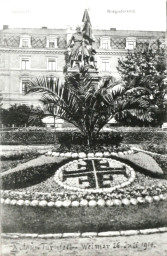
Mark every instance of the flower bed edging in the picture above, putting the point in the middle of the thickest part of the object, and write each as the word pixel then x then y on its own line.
pixel 84 202
pixel 86 234
pixel 89 155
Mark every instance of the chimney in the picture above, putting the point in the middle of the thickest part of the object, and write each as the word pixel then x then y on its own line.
pixel 44 27
pixel 5 26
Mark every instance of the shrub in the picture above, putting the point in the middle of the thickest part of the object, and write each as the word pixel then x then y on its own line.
pixel 143 136
pixel 159 149
pixel 21 115
pixel 112 137
pixel 76 138
pixel 26 137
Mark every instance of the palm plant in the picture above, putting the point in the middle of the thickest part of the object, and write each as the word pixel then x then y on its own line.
pixel 86 105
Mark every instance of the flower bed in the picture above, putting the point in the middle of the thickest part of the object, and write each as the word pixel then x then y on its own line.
pixel 118 183
pixel 31 172
pixel 143 199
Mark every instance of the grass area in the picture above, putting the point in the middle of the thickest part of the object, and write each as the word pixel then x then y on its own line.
pixel 55 220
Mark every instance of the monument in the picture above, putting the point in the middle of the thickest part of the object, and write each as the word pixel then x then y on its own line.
pixel 80 52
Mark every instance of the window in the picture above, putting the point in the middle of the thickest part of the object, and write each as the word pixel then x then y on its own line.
pixel 51 42
pixel 105 43
pixel 25 63
pixel 130 43
pixel 105 65
pixel 24 86
pixel 52 64
pixel 25 41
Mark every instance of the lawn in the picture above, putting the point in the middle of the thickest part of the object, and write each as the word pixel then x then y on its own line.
pixel 56 220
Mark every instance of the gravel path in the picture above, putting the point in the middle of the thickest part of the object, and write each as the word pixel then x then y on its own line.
pixel 5 148
pixel 140 245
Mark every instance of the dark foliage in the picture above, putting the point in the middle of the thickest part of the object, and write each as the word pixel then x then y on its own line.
pixel 22 115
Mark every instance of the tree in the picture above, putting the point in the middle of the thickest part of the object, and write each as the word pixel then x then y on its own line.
pixel 145 68
pixel 21 115
pixel 87 106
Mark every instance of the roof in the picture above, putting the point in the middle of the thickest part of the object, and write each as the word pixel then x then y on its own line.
pixel 96 32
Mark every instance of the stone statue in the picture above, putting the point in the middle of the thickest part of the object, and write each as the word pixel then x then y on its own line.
pixel 80 50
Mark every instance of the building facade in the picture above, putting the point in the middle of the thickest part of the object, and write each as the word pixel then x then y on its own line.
pixel 27 53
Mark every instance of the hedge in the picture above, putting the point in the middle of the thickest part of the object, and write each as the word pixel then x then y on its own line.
pixel 129 136
pixel 27 137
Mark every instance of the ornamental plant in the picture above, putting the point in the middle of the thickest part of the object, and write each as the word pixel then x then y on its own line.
pixel 145 68
pixel 88 106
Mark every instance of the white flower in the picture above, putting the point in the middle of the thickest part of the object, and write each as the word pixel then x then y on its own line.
pixel 117 202
pixel 74 155
pixel 125 201
pixel 156 198
pixel 13 202
pixel 20 202
pixel 82 155
pixel 66 203
pixel 51 204
pixel 55 154
pixel 7 201
pixel 92 203
pixel 43 203
pixel 140 199
pixel 27 202
pixel 133 201
pixel 83 202
pixel 149 199
pixel 58 204
pixel 75 204
pixel 99 154
pixel 90 155
pixel 109 203
pixel 101 202
pixel 34 203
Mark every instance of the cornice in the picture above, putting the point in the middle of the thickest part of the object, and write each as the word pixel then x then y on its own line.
pixel 32 51
pixel 112 52
pixel 57 51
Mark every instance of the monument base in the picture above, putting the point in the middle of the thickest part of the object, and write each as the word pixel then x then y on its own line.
pixel 94 73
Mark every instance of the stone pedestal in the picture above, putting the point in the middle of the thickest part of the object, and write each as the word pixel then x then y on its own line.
pixel 95 76
pixel 91 71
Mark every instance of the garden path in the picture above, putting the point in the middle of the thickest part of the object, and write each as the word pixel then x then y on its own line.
pixel 138 245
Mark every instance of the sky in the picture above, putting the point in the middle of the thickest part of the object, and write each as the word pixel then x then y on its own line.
pixel 105 14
